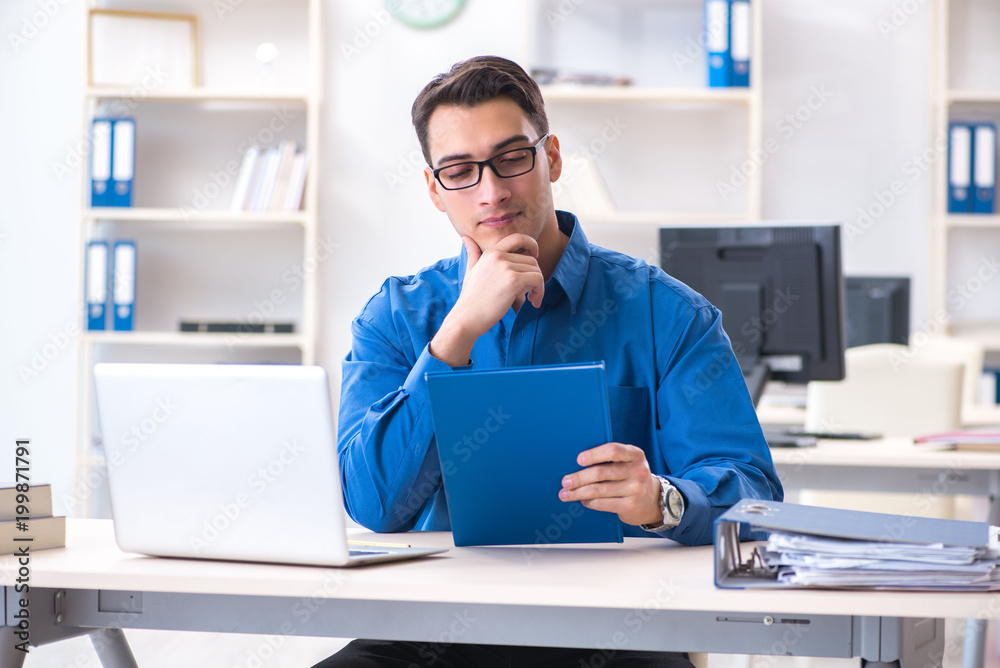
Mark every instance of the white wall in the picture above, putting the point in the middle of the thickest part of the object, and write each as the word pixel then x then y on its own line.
pixel 373 203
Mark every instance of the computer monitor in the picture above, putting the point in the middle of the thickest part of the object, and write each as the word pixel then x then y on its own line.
pixel 780 290
pixel 878 309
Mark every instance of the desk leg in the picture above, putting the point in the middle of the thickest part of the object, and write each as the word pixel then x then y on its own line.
pixel 900 641
pixel 974 652
pixel 112 648
pixel 994 498
pixel 976 629
pixel 10 657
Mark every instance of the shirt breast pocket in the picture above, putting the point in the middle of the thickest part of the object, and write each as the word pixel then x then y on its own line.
pixel 631 421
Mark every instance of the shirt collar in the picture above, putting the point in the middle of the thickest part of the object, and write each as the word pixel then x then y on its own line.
pixel 571 270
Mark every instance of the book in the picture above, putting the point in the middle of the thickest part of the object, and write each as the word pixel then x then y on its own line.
pixel 237 327
pixel 37 533
pixel 283 180
pixel 523 425
pixel 39 501
pixel 547 76
pixel 244 179
pixel 964 439
pixel 296 182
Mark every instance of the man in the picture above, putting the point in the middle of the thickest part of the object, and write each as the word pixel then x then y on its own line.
pixel 528 289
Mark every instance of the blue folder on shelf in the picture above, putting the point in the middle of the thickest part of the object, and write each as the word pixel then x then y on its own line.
pixel 505 439
pixel 96 286
pixel 959 168
pixel 123 285
pixel 100 162
pixel 122 162
pixel 984 170
pixel 739 42
pixel 717 43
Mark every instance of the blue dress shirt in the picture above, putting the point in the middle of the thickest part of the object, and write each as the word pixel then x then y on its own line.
pixel 674 386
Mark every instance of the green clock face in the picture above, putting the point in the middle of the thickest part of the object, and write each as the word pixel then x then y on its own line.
pixel 425 13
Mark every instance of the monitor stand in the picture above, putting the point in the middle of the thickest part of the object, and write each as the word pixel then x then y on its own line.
pixel 755 374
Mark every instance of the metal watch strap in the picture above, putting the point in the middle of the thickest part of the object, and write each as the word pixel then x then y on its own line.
pixel 665 486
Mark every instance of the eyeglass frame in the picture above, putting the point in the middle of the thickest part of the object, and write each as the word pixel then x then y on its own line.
pixel 482 164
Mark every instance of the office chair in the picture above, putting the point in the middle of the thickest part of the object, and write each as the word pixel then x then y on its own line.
pixel 970 353
pixel 891 389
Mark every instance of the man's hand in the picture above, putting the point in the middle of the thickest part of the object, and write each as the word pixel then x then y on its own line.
pixel 495 280
pixel 616 480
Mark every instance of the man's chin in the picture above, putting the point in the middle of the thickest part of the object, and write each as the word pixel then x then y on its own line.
pixel 488 237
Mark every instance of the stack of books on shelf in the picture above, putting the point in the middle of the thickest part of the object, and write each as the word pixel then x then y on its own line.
pixel 972 168
pixel 26 519
pixel 270 179
pixel 236 327
pixel 549 76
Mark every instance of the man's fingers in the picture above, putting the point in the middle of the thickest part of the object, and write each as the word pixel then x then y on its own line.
pixel 618 489
pixel 536 297
pixel 519 260
pixel 473 251
pixel 520 244
pixel 609 452
pixel 597 474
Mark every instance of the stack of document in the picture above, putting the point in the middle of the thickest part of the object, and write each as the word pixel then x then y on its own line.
pixel 815 561
pixel 826 547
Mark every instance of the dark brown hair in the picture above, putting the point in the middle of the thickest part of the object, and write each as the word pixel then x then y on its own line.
pixel 473 82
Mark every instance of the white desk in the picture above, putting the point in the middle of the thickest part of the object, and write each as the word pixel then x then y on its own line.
pixel 646 594
pixel 779 414
pixel 891 465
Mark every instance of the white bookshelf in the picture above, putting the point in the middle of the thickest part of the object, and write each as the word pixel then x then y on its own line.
pixel 673 118
pixel 965 86
pixel 191 248
pixel 566 93
pixel 198 95
pixel 199 339
pixel 194 217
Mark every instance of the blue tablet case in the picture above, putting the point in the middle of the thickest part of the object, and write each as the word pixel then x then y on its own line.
pixel 505 438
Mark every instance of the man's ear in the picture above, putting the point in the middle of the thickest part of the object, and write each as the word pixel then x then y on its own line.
pixel 432 189
pixel 554 157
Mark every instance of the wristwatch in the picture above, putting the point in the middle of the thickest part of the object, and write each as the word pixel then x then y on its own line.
pixel 672 506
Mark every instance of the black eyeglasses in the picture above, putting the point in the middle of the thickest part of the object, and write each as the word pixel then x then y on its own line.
pixel 506 165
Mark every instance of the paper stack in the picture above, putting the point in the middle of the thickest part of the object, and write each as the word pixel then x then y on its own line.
pixel 812 561
pixel 848 549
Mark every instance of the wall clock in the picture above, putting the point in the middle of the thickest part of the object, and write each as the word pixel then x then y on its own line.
pixel 425 14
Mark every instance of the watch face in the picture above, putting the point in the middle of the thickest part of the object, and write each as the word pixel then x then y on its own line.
pixel 424 13
pixel 675 504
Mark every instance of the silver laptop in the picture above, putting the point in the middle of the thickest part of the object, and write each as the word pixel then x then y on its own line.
pixel 219 461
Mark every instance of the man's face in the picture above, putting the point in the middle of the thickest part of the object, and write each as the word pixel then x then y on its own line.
pixel 496 207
